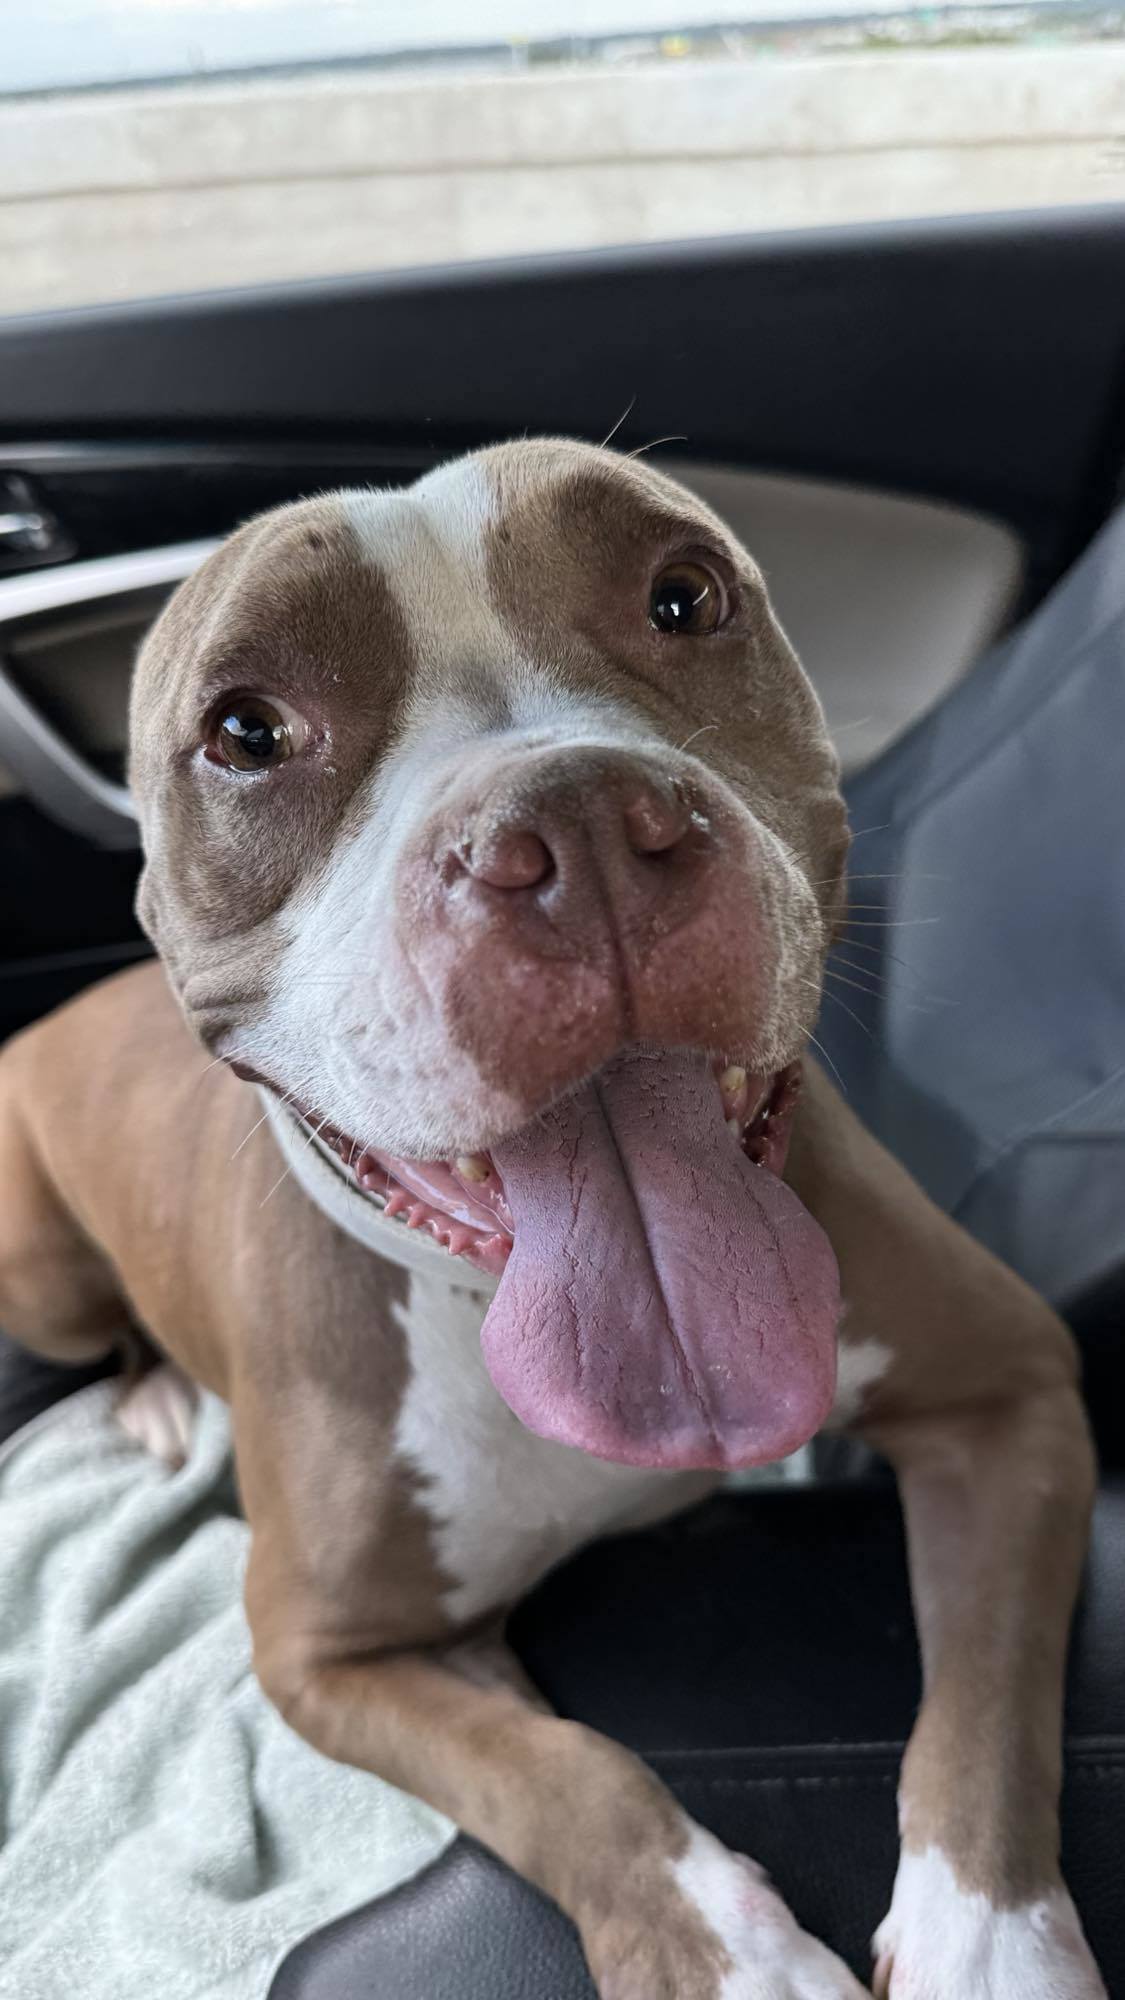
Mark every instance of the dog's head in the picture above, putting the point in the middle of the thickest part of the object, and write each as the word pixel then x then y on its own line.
pixel 495 825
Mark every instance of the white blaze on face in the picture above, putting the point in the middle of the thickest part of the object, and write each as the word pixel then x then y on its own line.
pixel 944 1941
pixel 429 543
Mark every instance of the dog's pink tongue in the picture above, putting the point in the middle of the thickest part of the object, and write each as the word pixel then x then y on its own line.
pixel 666 1302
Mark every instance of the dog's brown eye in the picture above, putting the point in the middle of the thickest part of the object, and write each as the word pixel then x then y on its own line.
pixel 253 735
pixel 686 597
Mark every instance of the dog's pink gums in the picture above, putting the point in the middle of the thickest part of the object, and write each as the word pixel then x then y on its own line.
pixel 461 1204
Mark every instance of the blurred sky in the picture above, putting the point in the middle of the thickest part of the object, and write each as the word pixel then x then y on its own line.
pixel 47 44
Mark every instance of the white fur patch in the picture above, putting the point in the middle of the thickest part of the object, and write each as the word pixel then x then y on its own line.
pixel 944 1941
pixel 506 1505
pixel 772 1958
pixel 158 1413
pixel 859 1365
pixel 459 499
pixel 429 544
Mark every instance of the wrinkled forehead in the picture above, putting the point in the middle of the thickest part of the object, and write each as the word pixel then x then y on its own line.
pixel 444 564
pixel 477 549
pixel 532 498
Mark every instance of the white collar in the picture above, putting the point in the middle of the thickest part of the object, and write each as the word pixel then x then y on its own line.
pixel 327 1183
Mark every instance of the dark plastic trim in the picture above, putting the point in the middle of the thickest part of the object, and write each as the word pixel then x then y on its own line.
pixel 976 360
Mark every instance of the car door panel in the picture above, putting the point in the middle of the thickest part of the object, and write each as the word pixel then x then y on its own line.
pixel 866 405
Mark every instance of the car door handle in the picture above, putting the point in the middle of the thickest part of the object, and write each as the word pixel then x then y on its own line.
pixel 32 529
pixel 46 767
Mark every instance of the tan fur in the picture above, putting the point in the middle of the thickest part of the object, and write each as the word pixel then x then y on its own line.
pixel 981 1417
pixel 573 548
pixel 288 605
pixel 170 1172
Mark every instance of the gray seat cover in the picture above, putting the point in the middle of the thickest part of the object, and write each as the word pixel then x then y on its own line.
pixel 989 862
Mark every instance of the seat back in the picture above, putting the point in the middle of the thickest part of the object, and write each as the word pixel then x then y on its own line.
pixel 976 1009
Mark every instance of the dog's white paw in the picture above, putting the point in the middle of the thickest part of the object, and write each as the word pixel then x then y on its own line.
pixel 771 1957
pixel 942 1942
pixel 159 1413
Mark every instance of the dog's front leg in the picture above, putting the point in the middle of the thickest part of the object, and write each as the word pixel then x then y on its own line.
pixel 972 1394
pixel 996 1504
pixel 351 1644
pixel 663 1910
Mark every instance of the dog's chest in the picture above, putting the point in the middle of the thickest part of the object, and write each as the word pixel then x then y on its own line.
pixel 505 1504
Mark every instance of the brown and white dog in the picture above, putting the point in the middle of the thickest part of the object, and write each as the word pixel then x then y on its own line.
pixel 493 845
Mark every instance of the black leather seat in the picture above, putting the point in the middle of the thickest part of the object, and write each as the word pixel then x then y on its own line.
pixel 760 1654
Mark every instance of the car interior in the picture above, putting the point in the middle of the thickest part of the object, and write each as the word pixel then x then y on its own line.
pixel 918 429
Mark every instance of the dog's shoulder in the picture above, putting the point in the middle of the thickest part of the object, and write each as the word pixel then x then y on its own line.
pixel 134 1006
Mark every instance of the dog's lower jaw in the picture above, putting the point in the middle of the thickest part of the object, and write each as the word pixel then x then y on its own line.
pixel 461 1204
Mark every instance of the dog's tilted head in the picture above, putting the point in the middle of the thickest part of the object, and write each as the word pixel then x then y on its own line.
pixel 494 825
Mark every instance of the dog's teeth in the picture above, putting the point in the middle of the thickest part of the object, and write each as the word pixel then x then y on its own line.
pixel 459 1240
pixel 735 1130
pixel 472 1166
pixel 734 1093
pixel 395 1203
pixel 416 1218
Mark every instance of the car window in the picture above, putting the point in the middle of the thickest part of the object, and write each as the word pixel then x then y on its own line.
pixel 157 146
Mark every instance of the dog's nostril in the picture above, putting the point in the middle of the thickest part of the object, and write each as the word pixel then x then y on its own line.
pixel 511 861
pixel 655 822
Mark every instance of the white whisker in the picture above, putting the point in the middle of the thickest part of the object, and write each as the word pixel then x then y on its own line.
pixel 707 727
pixel 314 1133
pixel 819 1046
pixel 245 1140
pixel 274 1188
pixel 850 1012
pixel 880 951
pixel 884 923
pixel 872 992
pixel 868 971
pixel 627 411
pixel 676 437
pixel 221 1062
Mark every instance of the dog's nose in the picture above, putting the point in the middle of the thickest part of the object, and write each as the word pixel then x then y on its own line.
pixel 524 842
pixel 564 901
pixel 655 820
pixel 509 859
